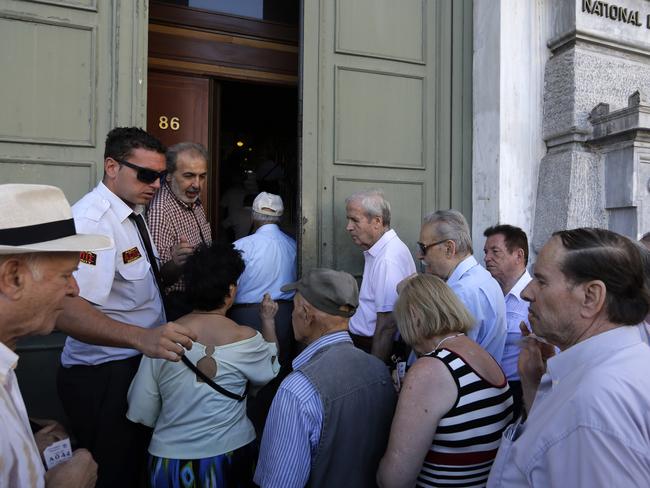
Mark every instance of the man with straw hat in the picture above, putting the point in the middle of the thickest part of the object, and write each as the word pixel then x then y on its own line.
pixel 39 250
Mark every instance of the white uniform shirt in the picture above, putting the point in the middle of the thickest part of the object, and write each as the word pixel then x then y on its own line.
pixel 387 263
pixel 118 281
pixel 20 462
pixel 190 419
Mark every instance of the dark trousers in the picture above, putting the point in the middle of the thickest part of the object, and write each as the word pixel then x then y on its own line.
pixel 257 407
pixel 517 398
pixel 248 314
pixel 94 399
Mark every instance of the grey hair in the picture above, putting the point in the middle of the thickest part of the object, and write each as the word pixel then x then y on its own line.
pixel 374 204
pixel 265 219
pixel 171 156
pixel 33 261
pixel 450 224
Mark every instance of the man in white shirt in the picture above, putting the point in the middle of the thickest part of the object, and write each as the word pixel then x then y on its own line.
pixel 387 262
pixel 39 250
pixel 588 423
pixel 270 258
pixel 506 257
pixel 117 286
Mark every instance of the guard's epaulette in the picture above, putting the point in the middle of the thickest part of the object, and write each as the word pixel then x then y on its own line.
pixel 97 210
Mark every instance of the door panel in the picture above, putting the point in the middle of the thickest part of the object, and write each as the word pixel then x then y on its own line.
pixel 61 90
pixel 177 108
pixel 377 81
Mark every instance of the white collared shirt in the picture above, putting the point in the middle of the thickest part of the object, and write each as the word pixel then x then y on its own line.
pixel 20 462
pixel 516 312
pixel 387 263
pixel 589 425
pixel 270 257
pixel 118 281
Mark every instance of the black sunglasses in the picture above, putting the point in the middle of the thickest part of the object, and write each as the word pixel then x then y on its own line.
pixel 423 247
pixel 143 174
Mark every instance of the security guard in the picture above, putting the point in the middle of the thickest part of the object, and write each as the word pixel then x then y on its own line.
pixel 123 283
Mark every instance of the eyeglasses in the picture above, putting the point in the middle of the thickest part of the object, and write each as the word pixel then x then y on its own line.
pixel 423 247
pixel 144 175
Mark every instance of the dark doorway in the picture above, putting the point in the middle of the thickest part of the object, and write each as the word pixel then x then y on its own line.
pixel 257 152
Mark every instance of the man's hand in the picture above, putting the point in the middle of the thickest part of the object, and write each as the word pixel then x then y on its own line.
pixel 80 471
pixel 51 432
pixel 532 363
pixel 181 251
pixel 167 341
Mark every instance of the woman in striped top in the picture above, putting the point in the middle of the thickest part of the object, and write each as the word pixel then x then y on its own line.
pixel 455 401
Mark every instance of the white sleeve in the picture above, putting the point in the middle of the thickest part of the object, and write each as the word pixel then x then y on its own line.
pixel 144 395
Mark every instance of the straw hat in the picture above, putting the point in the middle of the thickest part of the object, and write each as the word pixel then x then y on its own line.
pixel 38 218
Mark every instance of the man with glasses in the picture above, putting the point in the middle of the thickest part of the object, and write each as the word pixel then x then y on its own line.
pixel 387 262
pixel 177 219
pixel 445 248
pixel 123 282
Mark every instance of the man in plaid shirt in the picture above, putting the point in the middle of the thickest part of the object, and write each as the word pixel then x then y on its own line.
pixel 177 219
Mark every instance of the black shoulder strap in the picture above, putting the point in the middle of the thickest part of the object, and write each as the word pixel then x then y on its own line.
pixel 205 378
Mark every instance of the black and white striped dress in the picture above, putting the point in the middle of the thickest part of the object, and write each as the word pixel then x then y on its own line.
pixel 467 438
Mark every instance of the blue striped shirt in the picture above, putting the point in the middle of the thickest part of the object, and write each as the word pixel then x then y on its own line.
pixel 293 427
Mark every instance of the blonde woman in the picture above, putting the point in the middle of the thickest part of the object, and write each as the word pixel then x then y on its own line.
pixel 455 401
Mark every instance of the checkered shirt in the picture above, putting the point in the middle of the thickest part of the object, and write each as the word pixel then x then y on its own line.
pixel 169 218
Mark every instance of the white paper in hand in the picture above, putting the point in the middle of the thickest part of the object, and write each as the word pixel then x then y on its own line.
pixel 57 453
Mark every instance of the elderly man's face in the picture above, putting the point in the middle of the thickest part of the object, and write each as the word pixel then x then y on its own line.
pixel 502 264
pixel 436 254
pixel 554 301
pixel 45 288
pixel 365 232
pixel 189 178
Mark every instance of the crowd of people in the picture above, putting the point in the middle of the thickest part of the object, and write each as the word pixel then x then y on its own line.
pixel 193 362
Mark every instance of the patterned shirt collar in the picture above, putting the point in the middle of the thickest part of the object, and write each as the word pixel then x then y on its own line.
pixel 319 343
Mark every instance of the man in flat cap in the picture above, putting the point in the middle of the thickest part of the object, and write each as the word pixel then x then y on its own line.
pixel 39 250
pixel 329 422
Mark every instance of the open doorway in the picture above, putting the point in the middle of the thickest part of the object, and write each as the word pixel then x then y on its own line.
pixel 258 145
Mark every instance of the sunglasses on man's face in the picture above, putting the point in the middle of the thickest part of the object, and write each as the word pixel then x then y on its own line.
pixel 144 175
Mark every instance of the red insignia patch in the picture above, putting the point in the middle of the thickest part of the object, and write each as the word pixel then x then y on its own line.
pixel 131 255
pixel 88 257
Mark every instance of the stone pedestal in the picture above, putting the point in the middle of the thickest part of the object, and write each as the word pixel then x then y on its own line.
pixel 597 58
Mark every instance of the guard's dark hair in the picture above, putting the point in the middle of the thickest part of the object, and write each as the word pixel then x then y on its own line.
pixel 514 237
pixel 599 254
pixel 208 274
pixel 122 140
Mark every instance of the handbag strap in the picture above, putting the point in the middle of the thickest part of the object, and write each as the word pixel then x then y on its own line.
pixel 209 381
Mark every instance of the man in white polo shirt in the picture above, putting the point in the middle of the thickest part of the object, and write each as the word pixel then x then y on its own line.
pixel 387 262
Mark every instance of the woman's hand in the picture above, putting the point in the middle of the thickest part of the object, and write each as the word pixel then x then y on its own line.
pixel 268 308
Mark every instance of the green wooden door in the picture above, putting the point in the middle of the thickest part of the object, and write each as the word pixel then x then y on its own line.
pixel 71 71
pixel 386 103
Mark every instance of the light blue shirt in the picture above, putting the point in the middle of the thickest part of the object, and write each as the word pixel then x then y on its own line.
pixel 516 312
pixel 589 425
pixel 482 296
pixel 270 257
pixel 293 427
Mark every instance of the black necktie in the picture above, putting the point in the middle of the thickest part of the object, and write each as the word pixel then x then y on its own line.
pixel 144 234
